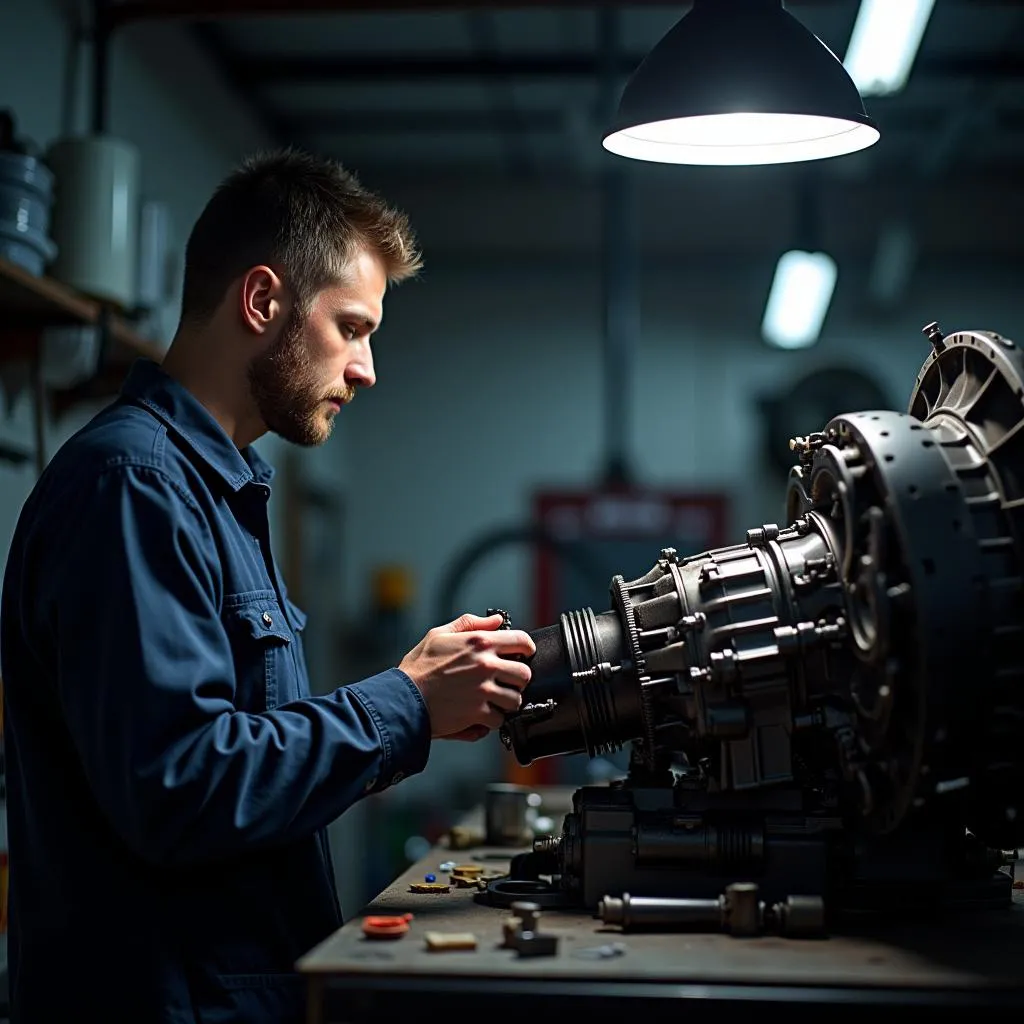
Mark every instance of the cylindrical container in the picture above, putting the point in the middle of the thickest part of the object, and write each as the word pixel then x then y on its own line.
pixel 154 242
pixel 95 216
pixel 505 814
pixel 26 198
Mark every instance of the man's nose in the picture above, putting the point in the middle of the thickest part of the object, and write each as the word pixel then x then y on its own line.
pixel 360 373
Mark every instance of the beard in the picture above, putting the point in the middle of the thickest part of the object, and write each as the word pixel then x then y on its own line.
pixel 288 390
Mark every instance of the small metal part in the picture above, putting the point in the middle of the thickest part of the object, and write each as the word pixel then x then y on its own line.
pixel 533 944
pixel 519 932
pixel 806 446
pixel 742 909
pixel 510 929
pixel 443 942
pixel 761 535
pixel 466 869
pixel 934 334
pixel 528 913
pixel 546 844
pixel 506 619
pixel 429 887
pixel 800 916
pixel 606 952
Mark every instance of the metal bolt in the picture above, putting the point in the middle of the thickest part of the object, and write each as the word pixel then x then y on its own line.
pixel 934 334
pixel 545 844
pixel 528 914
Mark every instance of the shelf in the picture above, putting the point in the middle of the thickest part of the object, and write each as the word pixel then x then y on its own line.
pixel 29 303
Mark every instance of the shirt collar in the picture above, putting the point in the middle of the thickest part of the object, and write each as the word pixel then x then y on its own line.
pixel 183 413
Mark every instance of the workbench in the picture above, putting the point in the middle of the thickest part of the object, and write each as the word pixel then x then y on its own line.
pixel 957 963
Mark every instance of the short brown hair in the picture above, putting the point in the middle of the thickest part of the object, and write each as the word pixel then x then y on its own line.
pixel 306 214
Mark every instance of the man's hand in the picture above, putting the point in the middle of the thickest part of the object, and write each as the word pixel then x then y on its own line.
pixel 464 671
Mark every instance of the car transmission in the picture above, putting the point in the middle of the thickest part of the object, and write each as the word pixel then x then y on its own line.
pixel 834 707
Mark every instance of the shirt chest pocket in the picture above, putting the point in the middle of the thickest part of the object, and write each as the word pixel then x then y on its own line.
pixel 269 665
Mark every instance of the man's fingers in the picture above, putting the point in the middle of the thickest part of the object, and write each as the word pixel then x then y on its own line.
pixel 511 673
pixel 502 698
pixel 493 717
pixel 468 622
pixel 512 641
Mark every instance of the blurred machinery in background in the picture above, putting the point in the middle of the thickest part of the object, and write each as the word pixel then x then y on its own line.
pixel 833 708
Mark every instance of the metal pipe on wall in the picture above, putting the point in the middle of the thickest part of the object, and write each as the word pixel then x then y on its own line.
pixel 102 25
pixel 620 272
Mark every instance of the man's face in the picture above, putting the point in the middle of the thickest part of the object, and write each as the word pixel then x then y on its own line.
pixel 316 363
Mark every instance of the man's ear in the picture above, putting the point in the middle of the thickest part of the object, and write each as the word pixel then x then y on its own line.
pixel 262 298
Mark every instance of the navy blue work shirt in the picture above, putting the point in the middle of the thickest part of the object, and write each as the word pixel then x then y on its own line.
pixel 169 775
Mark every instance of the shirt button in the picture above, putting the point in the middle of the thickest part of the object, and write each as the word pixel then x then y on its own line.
pixel 397 778
pixel 368 788
pixel 267 620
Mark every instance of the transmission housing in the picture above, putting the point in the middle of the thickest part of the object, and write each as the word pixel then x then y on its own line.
pixel 834 706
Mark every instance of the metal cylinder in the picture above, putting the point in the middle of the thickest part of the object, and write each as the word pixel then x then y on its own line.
pixel 645 912
pixel 725 847
pixel 801 915
pixel 26 197
pixel 95 216
pixel 528 913
pixel 743 908
pixel 505 814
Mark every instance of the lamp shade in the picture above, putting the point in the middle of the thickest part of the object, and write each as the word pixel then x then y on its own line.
pixel 740 82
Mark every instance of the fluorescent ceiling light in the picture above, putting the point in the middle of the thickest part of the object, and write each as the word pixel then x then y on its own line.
pixel 799 299
pixel 884 42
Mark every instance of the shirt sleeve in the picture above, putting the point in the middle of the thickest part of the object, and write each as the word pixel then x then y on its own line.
pixel 145 678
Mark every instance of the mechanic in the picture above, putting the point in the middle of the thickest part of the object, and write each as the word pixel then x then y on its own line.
pixel 170 776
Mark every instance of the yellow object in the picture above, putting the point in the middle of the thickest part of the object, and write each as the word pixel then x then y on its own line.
pixel 462 838
pixel 442 941
pixel 429 887
pixel 392 587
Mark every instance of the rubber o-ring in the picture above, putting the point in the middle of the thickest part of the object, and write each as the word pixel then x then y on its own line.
pixel 386 926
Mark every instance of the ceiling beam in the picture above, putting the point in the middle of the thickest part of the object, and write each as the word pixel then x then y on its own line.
pixel 540 121
pixel 124 11
pixel 398 67
pixel 209 38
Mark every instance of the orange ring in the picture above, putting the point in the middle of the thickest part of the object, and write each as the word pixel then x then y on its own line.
pixel 386 926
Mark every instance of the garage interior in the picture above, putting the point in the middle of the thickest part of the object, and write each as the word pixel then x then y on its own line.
pixel 583 376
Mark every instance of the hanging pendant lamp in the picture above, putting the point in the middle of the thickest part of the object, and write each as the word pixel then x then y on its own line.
pixel 740 82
